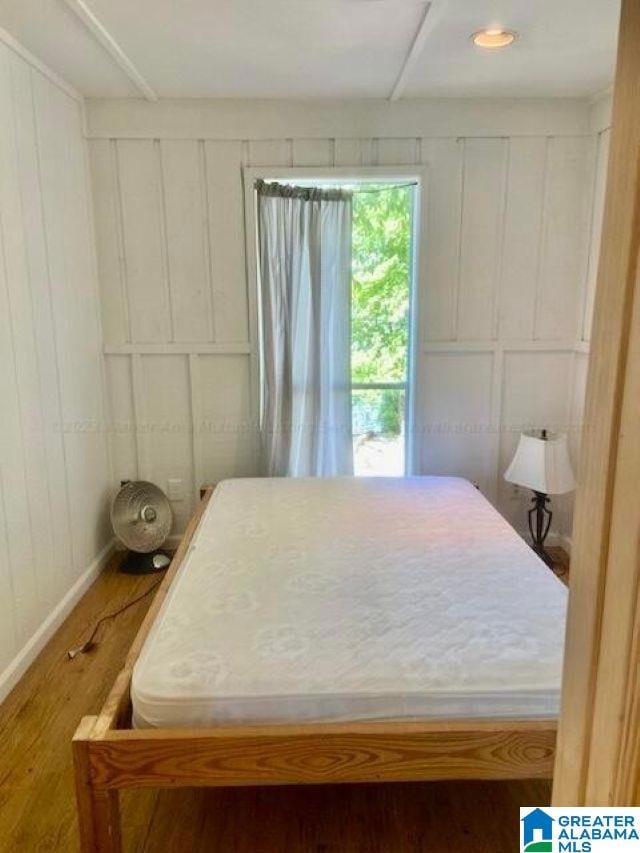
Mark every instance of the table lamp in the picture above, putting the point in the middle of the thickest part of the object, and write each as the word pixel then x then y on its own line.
pixel 541 463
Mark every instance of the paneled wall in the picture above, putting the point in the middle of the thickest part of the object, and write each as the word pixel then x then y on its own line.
pixel 505 254
pixel 54 467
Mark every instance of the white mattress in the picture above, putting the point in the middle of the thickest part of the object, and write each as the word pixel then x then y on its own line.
pixel 350 599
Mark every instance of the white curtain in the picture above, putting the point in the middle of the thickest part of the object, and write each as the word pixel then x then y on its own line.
pixel 305 284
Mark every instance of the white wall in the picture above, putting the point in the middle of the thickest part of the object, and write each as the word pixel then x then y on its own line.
pixel 54 471
pixel 505 253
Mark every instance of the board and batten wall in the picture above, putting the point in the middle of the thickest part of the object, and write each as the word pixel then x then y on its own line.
pixel 505 250
pixel 54 463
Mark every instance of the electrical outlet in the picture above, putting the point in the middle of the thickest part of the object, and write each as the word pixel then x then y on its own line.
pixel 175 490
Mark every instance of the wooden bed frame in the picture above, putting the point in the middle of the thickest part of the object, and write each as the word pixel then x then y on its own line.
pixel 109 754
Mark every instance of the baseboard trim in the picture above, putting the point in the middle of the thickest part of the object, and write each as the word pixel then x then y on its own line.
pixel 564 542
pixel 32 648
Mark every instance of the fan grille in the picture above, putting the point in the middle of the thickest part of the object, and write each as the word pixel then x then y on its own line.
pixel 132 516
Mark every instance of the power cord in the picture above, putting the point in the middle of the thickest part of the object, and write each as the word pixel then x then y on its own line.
pixel 91 643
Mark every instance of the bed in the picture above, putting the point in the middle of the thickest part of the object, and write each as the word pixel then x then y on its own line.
pixel 333 630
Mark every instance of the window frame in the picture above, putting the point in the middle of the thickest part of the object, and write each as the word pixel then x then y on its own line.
pixel 342 174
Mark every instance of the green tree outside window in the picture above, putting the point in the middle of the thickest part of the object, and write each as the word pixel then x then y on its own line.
pixel 381 262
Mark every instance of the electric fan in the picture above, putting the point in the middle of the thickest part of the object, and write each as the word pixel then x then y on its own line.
pixel 141 518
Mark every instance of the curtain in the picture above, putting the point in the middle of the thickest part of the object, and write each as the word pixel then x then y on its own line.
pixel 304 237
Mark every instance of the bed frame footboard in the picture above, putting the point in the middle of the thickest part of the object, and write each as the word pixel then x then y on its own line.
pixel 392 751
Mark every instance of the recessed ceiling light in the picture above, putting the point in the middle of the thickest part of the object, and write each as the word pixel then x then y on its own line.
pixel 493 39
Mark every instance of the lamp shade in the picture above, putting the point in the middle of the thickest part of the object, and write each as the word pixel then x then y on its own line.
pixel 542 465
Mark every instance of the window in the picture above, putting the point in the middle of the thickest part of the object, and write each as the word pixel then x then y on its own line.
pixel 380 325
pixel 383 263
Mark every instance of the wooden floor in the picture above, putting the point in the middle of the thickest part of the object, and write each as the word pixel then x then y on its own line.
pixel 560 566
pixel 37 810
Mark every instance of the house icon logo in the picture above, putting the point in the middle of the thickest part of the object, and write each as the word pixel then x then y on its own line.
pixel 537 834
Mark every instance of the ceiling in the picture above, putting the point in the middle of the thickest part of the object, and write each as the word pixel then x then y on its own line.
pixel 323 48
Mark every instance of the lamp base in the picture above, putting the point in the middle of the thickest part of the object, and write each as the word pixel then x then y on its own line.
pixel 542 524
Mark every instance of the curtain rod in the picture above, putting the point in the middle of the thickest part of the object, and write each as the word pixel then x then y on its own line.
pixel 360 187
pixel 388 187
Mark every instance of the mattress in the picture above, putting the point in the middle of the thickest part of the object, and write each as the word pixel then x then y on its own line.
pixel 352 599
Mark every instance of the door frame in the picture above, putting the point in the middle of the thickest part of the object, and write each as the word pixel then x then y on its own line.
pixel 598 756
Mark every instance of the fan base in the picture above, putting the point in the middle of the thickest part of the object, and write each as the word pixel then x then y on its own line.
pixel 134 563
